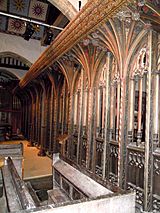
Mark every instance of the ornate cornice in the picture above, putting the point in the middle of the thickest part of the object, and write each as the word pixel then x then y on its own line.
pixel 94 13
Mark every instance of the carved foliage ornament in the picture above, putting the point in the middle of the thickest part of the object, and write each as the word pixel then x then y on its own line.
pixel 115 73
pixel 102 79
pixel 136 159
pixel 141 64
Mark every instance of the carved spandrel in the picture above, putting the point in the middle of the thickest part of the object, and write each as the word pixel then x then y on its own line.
pixel 114 151
pixel 156 203
pixel 156 167
pixel 99 146
pixel 136 159
pixel 113 178
pixel 139 193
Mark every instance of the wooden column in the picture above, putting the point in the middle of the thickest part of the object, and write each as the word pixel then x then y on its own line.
pixel 37 111
pixel 156 109
pixel 98 108
pixel 79 122
pixel 148 165
pixel 117 110
pixel 139 132
pixel 43 126
pixel 31 140
pixel 39 118
pixel 111 111
pixel 64 109
pixel 51 120
pixel 75 108
pixel 29 119
pixel 25 117
pixel 106 114
pixel 55 128
pixel 85 108
pixel 121 138
pixel 91 96
pixel 131 110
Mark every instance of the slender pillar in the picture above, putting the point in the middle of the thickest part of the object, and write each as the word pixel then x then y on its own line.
pixel 43 126
pixel 139 132
pixel 85 108
pixel 63 113
pixel 105 156
pixel 90 111
pixel 51 119
pixel 75 108
pixel 55 118
pixel 37 117
pixel 121 139
pixel 131 111
pixel 103 111
pixel 148 165
pixel 79 121
pixel 156 109
pixel 117 110
pixel 98 108
pixel 111 112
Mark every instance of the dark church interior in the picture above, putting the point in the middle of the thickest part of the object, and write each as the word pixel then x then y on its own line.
pixel 80 106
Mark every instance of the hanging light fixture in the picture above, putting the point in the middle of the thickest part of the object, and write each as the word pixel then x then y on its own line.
pixel 29 31
pixel 47 38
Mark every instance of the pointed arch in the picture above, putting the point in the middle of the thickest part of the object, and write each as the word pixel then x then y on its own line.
pixel 133 48
pixel 16 56
pixel 64 71
pixel 65 7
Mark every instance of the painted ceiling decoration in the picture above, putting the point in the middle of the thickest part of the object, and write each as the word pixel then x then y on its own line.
pixel 41 11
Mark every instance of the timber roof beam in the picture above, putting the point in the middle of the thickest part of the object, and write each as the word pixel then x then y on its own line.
pixel 94 13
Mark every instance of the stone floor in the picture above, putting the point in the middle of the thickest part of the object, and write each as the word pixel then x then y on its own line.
pixel 34 165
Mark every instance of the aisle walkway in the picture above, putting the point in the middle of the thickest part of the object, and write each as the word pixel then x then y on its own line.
pixel 34 166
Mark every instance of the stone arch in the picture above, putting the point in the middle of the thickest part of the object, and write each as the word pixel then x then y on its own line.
pixel 65 7
pixel 8 74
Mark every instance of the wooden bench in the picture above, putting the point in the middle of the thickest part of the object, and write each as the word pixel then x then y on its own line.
pixel 73 183
pixel 57 196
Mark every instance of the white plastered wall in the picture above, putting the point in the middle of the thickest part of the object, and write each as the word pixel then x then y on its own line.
pixel 30 50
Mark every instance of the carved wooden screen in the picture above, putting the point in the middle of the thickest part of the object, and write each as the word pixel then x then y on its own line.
pixel 63 109
pixel 136 125
pixel 137 102
pixel 100 121
pixel 115 102
pixel 84 138
pixel 115 92
pixel 48 121
pixel 76 114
